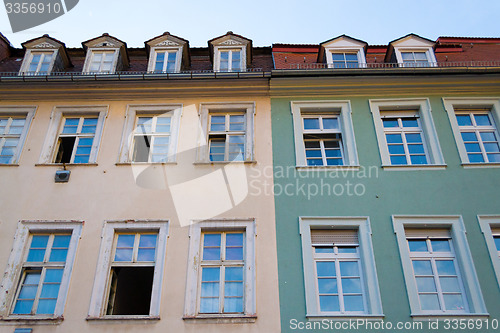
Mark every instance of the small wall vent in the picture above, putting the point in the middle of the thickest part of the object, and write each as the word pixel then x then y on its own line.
pixel 62 176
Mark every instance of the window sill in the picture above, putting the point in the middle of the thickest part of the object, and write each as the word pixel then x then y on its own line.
pixel 480 165
pixel 344 316
pixel 444 316
pixel 415 167
pixel 221 319
pixel 145 163
pixel 66 164
pixel 9 165
pixel 32 320
pixel 225 162
pixel 327 167
pixel 124 318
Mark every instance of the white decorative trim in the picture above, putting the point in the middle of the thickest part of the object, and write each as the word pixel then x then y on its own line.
pixel 154 50
pixel 28 56
pixel 16 110
pixel 343 108
pixel 414 44
pixel 231 42
pixel 434 153
pixel 167 43
pixel 369 278
pixel 98 299
pixel 45 45
pixel 464 258
pixel 195 230
pixel 149 109
pixel 487 222
pixel 19 251
pixel 105 44
pixel 240 47
pixel 451 103
pixel 90 53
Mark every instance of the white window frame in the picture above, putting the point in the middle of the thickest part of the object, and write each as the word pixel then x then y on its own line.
pixel 152 58
pixel 340 108
pixel 90 57
pixel 429 134
pixel 487 224
pixel 134 111
pixel 461 103
pixel 373 303
pixel 28 58
pixel 58 115
pixel 195 249
pixel 429 53
pixel 243 57
pixel 358 51
pixel 206 109
pixel 463 257
pixel 14 270
pixel 28 112
pixel 99 300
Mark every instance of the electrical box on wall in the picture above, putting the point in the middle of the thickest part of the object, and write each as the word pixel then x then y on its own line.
pixel 62 176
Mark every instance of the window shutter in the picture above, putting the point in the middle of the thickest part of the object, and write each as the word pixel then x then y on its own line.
pixel 427 233
pixel 329 237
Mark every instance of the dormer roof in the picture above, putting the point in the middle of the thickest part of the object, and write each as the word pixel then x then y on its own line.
pixel 46 42
pixel 168 40
pixel 107 41
pixel 410 40
pixel 341 42
pixel 231 39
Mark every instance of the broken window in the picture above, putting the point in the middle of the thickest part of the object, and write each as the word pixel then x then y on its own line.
pixel 132 273
pixel 76 139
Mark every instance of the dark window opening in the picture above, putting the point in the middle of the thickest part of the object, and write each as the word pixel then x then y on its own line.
pixel 65 149
pixel 142 145
pixel 130 291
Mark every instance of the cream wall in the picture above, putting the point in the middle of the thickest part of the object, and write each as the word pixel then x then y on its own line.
pixel 108 191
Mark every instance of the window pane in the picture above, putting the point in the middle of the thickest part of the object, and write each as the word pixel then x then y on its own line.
pixel 37 248
pixel 234 274
pixel 390 122
pixel 472 147
pixel 329 303
pixel 486 136
pixel 445 267
pixel 422 267
pixel 53 275
pixel 398 160
pixel 89 125
pixel 46 306
pixel 330 123
pixel 210 274
pixel 327 286
pixel 236 123
pixel 23 307
pixel 351 286
pixel 426 284
pixel 394 138
pixel 233 304
pixel 407 55
pixel 147 241
pixel 413 138
pixel 323 249
pixel 429 302
pixel 349 268
pixel 453 302
pixel 475 158
pixel 464 120
pixel 418 159
pixel 482 120
pixel 71 125
pixel 209 305
pixel 353 303
pixel 491 147
pixel 163 124
pixel 233 289
pixel 338 56
pixel 420 55
pixel 440 245
pixel 58 255
pixel 325 268
pixel 417 245
pixel 416 149
pixel 449 284
pixel 348 249
pixel 210 289
pixel 50 290
pixel 234 253
pixel 396 149
pixel 211 245
pixel 311 123
pixel 217 123
pixel 410 122
pixel 146 255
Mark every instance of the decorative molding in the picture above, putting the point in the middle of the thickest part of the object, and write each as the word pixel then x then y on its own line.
pixel 167 43
pixel 231 42
pixel 105 44
pixel 44 45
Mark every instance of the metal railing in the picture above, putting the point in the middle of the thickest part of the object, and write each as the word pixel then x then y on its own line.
pixel 446 64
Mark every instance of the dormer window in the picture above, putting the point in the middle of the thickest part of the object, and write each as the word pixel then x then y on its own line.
pixel 105 55
pixel 411 51
pixel 167 54
pixel 43 56
pixel 342 52
pixel 231 53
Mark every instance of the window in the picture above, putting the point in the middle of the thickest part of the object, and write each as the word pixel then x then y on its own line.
pixel 322 140
pixel 165 61
pixel 102 62
pixel 339 267
pixel 150 133
pixel 435 269
pixel 229 133
pixel 345 60
pixel 404 137
pixel 40 63
pixel 223 283
pixel 230 61
pixel 43 269
pixel 130 268
pixel 439 273
pixel 474 124
pixel 324 135
pixel 74 135
pixel 490 226
pixel 14 124
pixel 406 134
pixel 415 59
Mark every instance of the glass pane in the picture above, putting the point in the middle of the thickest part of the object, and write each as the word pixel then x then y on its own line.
pixel 233 289
pixel 71 125
pixel 58 255
pixel 493 157
pixel 234 253
pixel 418 159
pixel 338 56
pixel 329 303
pixel 349 268
pixel 211 253
pixel 50 290
pixel 234 274
pixel 210 274
pixel 353 303
pixel 464 120
pixel 475 158
pixel 327 286
pixel 413 138
pixel 53 275
pixel 37 248
pixel 147 241
pixel 419 55
pixel 125 241
pixel 445 267
pixel 482 120
pixel 314 162
pixel 426 284
pixel 144 124
pixel 332 152
pixel 472 147
pixel 351 57
pixel 486 136
pixel 410 122
pixel 232 305
pixel 211 240
pixel 109 57
pixel 398 160
pixel 422 267
pixel 217 123
pixel 28 292
pixel 334 162
pixel 325 268
pixel 234 240
pixel 61 241
pixel 163 125
pixel 311 123
pixel 123 254
pixel 491 147
pixel 407 55
pixel 323 249
pixel 23 307
pixel 440 245
pixel 449 284
pixel 347 249
pixel 89 125
pixel 396 149
pixel 429 302
pixel 351 286
pixel 469 136
pixel 209 289
pixel 416 149
pixel 313 153
pixel 417 245
pixel 46 306
pixel 390 122
pixel 454 302
pixel 146 255
pixel 330 123
pixel 236 123
pixel 394 138
pixel 209 305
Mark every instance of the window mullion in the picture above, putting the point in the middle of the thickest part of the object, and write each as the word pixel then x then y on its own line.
pixel 39 290
pixel 405 146
pixel 222 286
pixel 438 284
pixel 135 251
pixel 340 290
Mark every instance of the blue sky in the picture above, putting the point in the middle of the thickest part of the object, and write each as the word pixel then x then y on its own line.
pixel 267 21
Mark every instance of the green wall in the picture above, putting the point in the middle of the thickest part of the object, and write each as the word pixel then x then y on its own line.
pixel 454 191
